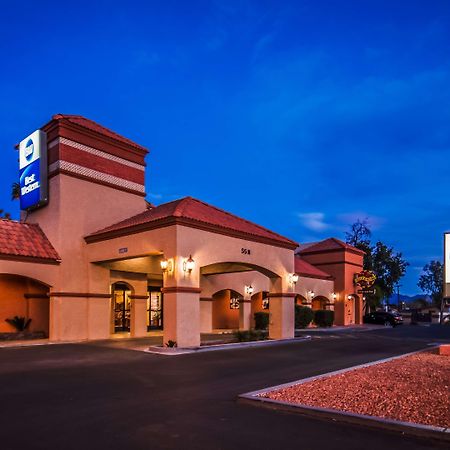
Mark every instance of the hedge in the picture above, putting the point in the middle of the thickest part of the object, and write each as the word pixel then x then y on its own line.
pixel 324 318
pixel 303 316
pixel 261 320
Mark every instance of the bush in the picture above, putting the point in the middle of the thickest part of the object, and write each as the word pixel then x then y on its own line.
pixel 19 323
pixel 303 316
pixel 323 318
pixel 261 320
pixel 171 344
pixel 250 335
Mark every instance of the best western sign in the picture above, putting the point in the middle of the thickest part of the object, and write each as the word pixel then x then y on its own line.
pixel 33 171
pixel 447 265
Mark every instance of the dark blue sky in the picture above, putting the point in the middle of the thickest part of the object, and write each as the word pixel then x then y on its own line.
pixel 299 115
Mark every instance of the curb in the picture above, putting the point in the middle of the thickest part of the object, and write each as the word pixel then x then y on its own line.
pixel 408 428
pixel 217 347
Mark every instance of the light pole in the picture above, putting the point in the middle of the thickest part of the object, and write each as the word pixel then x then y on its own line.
pixel 399 305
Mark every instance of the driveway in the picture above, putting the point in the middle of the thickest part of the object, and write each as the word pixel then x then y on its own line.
pixel 92 396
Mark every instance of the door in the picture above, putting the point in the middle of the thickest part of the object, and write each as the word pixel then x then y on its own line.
pixel 122 307
pixel 155 310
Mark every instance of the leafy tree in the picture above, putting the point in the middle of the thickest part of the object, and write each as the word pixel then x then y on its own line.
pixel 388 265
pixel 432 281
pixel 15 191
pixel 4 215
pixel 359 236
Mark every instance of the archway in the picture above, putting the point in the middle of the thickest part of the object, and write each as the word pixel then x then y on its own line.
pixel 319 302
pixel 24 297
pixel 225 309
pixel 121 306
pixel 300 300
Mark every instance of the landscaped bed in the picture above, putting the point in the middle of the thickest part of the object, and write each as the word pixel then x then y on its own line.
pixel 410 389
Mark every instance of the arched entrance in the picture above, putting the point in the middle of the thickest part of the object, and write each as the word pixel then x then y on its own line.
pixel 300 300
pixel 24 297
pixel 225 309
pixel 319 302
pixel 121 306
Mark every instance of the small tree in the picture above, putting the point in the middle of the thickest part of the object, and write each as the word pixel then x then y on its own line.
pixel 388 265
pixel 359 236
pixel 4 215
pixel 15 191
pixel 432 283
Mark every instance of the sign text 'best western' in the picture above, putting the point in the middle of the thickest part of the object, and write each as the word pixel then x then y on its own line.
pixel 33 171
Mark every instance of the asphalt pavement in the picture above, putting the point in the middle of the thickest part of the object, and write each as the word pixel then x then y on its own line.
pixel 94 396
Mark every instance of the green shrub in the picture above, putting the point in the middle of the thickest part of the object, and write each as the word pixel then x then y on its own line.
pixel 250 335
pixel 19 323
pixel 171 344
pixel 261 320
pixel 303 316
pixel 323 318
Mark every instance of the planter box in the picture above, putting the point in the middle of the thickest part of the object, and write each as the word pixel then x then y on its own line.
pixel 22 335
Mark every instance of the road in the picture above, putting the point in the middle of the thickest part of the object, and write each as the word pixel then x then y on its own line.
pixel 92 396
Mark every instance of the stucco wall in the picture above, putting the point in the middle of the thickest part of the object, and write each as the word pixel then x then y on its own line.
pixel 14 303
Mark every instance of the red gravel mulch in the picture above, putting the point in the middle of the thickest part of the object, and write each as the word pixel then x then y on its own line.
pixel 415 389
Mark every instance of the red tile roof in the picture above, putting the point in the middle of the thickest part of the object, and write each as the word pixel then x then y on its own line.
pixel 97 128
pixel 308 270
pixel 18 239
pixel 191 212
pixel 327 245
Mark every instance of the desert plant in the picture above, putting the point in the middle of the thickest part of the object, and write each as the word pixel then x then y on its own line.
pixel 303 316
pixel 171 344
pixel 261 320
pixel 323 318
pixel 19 323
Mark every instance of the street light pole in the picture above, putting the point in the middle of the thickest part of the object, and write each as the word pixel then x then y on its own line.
pixel 398 296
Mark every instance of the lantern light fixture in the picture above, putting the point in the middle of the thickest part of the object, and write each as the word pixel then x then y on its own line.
pixel 188 264
pixel 311 294
pixel 249 290
pixel 334 295
pixel 166 265
pixel 293 278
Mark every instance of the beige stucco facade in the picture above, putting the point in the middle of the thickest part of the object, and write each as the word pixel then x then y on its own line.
pixel 81 284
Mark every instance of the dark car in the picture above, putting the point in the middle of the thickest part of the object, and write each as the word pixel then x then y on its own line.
pixel 383 318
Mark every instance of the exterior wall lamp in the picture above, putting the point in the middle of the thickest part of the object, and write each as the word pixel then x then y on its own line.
pixel 334 296
pixel 166 265
pixel 311 294
pixel 293 278
pixel 188 264
pixel 249 290
pixel 350 297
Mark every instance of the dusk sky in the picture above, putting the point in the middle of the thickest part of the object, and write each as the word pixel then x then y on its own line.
pixel 301 116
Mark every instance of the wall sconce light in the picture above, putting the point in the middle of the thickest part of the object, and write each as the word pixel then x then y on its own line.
pixel 188 264
pixel 350 297
pixel 311 294
pixel 334 296
pixel 293 278
pixel 166 265
pixel 249 290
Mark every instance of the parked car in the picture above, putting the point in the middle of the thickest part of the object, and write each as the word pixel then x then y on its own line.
pixel 388 319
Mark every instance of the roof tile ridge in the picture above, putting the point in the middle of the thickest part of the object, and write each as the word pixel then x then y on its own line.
pixel 118 136
pixel 181 207
pixel 41 232
pixel 240 218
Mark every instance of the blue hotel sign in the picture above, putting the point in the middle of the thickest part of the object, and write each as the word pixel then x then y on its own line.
pixel 33 171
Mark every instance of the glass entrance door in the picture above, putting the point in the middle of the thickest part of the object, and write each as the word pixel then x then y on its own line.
pixel 154 310
pixel 122 307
